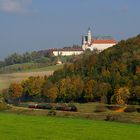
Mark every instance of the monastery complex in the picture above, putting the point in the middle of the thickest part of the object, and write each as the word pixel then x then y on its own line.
pixel 88 42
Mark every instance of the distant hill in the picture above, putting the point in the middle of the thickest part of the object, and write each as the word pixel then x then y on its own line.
pixel 41 57
pixel 32 60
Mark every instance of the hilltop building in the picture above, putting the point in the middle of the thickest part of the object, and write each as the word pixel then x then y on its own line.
pixel 88 42
pixel 97 42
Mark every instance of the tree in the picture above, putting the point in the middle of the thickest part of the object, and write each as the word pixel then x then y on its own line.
pixel 14 93
pixel 89 89
pixel 50 91
pixel 15 90
pixel 76 87
pixel 62 87
pixel 137 92
pixel 103 92
pixel 33 86
pixel 121 96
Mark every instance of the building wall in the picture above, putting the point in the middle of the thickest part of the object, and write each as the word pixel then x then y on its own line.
pixel 67 53
pixel 103 46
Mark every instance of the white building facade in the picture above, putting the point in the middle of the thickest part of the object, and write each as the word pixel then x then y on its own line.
pixel 67 52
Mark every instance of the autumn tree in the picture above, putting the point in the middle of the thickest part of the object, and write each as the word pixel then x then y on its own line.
pixel 14 93
pixel 33 86
pixel 137 92
pixel 121 95
pixel 52 93
pixel 15 90
pixel 63 87
pixel 103 92
pixel 89 90
pixel 49 91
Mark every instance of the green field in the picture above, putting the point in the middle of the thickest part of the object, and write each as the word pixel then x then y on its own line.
pixel 22 127
pixel 28 67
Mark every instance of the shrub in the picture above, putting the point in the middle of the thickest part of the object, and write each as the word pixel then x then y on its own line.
pixel 100 108
pixel 52 113
pixel 3 106
pixel 48 106
pixel 113 107
pixel 138 110
pixel 130 109
pixel 72 107
pixel 64 107
pixel 60 106
pixel 111 118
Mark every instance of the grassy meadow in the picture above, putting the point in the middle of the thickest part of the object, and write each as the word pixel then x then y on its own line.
pixel 22 127
pixel 7 78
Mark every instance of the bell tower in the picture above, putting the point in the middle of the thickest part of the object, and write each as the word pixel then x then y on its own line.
pixel 89 36
pixel 83 43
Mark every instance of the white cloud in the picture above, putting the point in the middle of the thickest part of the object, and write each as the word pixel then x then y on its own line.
pixel 16 6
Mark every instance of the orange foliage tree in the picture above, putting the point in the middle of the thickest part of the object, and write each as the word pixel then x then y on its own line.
pixel 15 90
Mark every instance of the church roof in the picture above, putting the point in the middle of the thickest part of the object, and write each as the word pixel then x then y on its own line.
pixel 104 41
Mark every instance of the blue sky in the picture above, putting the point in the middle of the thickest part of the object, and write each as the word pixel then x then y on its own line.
pixel 28 25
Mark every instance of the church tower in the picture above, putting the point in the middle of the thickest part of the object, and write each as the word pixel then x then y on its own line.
pixel 83 43
pixel 89 36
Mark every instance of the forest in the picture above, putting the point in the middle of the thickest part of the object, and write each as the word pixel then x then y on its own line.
pixel 111 76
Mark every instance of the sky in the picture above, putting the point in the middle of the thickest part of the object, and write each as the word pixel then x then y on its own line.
pixel 31 25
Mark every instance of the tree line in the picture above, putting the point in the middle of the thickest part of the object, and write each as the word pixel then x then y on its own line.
pixel 43 56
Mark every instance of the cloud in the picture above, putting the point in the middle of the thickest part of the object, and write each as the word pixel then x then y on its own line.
pixel 16 6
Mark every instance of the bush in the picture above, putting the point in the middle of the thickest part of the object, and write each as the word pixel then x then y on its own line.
pixel 72 107
pixel 113 107
pixel 130 109
pixel 100 108
pixel 65 107
pixel 138 110
pixel 111 118
pixel 52 113
pixel 3 106
pixel 60 107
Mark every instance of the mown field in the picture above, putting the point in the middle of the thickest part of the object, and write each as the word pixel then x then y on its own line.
pixel 22 127
pixel 28 67
pixel 6 79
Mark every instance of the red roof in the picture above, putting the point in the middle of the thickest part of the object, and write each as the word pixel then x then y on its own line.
pixel 104 41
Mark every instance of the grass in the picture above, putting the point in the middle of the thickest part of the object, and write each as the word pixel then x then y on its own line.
pixel 49 68
pixel 22 127
pixel 86 110
pixel 29 67
pixel 6 79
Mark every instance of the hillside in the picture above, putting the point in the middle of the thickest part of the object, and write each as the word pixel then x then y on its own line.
pixel 7 78
pixel 112 76
pixel 108 74
pixel 28 67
